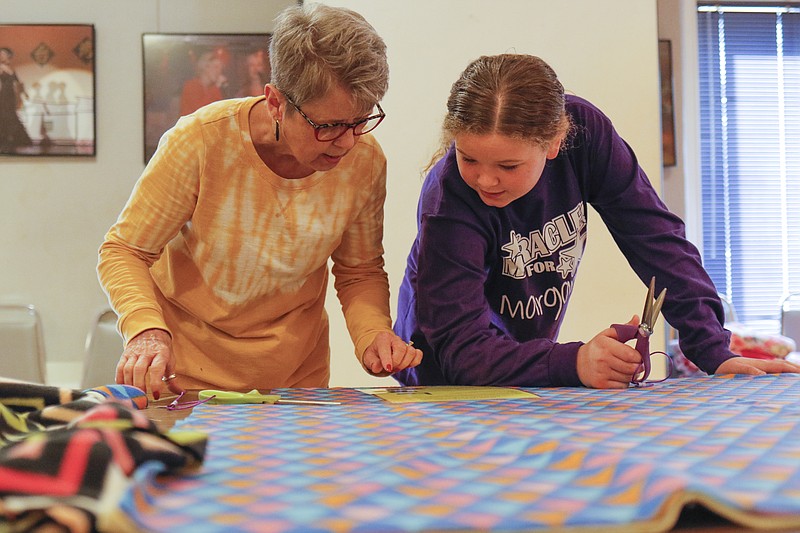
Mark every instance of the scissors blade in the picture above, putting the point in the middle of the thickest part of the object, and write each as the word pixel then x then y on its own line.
pixel 253 397
pixel 648 304
pixel 307 402
pixel 656 310
pixel 235 397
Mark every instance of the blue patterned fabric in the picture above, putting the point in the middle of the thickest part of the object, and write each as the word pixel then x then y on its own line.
pixel 574 458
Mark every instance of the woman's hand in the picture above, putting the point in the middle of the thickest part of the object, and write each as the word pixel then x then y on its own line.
pixel 388 354
pixel 606 363
pixel 148 356
pixel 756 367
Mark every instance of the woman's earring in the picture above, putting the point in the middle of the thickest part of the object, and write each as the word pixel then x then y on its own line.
pixel 277 131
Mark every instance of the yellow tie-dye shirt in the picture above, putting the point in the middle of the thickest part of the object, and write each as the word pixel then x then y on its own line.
pixel 232 259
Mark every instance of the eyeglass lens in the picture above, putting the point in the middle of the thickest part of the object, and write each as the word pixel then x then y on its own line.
pixel 329 133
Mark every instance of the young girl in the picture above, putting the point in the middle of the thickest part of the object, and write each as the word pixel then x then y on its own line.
pixel 502 229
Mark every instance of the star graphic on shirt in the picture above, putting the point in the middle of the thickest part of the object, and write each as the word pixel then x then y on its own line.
pixel 569 258
pixel 515 246
pixel 567 263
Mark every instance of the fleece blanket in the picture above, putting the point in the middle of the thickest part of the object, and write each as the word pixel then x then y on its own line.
pixel 67 456
pixel 569 459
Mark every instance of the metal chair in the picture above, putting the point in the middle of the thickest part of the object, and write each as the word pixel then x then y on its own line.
pixel 104 345
pixel 790 317
pixel 730 311
pixel 22 354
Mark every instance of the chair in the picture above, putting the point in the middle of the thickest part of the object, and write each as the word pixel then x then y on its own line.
pixel 104 345
pixel 790 317
pixel 22 354
pixel 730 311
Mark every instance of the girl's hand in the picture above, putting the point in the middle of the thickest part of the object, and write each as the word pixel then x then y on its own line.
pixel 756 367
pixel 606 363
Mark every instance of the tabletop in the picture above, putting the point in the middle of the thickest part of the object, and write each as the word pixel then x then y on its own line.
pixel 651 459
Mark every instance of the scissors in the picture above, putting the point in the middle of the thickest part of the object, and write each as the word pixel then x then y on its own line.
pixel 252 397
pixel 642 332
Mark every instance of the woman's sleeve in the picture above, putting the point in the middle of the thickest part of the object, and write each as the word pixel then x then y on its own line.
pixel 161 203
pixel 361 283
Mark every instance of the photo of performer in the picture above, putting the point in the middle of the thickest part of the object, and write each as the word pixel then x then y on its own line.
pixel 12 92
pixel 184 72
pixel 257 75
pixel 207 86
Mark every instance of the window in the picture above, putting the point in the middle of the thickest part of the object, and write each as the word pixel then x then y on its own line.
pixel 749 61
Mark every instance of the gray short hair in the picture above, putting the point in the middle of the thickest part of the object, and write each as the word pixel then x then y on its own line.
pixel 315 47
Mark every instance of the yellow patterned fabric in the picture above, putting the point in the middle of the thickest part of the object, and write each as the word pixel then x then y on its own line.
pixel 232 259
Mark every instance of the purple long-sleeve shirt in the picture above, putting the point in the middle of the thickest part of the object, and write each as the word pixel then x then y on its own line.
pixel 486 289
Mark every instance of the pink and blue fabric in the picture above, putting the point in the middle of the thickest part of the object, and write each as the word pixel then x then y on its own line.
pixel 573 458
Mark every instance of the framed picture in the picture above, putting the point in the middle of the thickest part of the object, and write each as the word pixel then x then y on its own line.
pixel 183 72
pixel 47 90
pixel 667 107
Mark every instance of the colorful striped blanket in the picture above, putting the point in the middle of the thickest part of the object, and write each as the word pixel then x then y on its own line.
pixel 67 456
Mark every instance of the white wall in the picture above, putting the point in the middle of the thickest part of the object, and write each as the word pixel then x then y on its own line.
pixel 677 22
pixel 605 51
pixel 55 211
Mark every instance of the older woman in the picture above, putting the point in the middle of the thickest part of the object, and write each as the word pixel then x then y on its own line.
pixel 218 264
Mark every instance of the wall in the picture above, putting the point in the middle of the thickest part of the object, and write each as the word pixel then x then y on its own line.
pixel 677 22
pixel 54 212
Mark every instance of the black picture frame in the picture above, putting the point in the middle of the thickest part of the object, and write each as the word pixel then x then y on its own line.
pixel 667 103
pixel 47 90
pixel 175 63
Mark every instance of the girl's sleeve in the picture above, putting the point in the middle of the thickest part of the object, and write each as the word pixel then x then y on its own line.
pixel 654 242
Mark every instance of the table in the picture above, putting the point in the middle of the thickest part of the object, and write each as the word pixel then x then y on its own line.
pixel 573 459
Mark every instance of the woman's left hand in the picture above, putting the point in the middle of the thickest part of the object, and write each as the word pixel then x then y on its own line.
pixel 388 354
pixel 756 367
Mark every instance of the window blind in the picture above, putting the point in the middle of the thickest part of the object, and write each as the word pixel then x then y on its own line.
pixel 749 60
